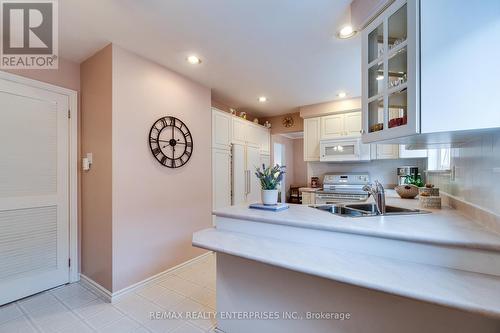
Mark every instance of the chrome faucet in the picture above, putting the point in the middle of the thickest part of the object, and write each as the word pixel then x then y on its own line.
pixel 378 193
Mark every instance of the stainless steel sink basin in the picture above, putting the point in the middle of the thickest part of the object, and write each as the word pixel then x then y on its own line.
pixel 368 209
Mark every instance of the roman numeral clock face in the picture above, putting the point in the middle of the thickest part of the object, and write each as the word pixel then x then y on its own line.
pixel 171 142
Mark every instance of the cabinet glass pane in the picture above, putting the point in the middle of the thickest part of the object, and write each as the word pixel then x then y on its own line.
pixel 375 43
pixel 397 27
pixel 376 115
pixel 398 109
pixel 375 79
pixel 398 68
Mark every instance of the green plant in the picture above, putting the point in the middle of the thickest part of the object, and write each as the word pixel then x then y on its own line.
pixel 414 180
pixel 270 177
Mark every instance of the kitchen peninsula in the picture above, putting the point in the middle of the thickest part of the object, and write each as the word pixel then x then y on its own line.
pixel 380 269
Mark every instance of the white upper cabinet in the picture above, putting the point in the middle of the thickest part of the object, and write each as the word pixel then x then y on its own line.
pixel 246 132
pixel 342 125
pixel 385 152
pixel 460 72
pixel 352 124
pixel 427 67
pixel 390 74
pixel 221 129
pixel 332 127
pixel 311 139
pixel 240 130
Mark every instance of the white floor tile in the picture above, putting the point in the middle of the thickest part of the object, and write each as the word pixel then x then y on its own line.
pixel 164 325
pixel 162 296
pixel 92 308
pixel 179 285
pixel 79 327
pixel 76 309
pixel 9 312
pixel 105 317
pixel 58 321
pixel 138 308
pixel 188 328
pixel 204 296
pixel 124 325
pixel 38 302
pixel 18 325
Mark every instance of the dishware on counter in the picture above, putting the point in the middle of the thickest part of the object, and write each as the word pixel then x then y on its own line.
pixel 407 191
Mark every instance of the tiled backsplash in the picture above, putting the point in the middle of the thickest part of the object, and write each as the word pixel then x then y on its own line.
pixel 381 170
pixel 477 173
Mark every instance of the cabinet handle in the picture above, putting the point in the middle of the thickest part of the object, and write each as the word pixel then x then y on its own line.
pixel 362 131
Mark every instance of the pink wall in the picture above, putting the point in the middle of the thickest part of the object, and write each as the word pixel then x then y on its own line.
pixel 67 75
pixel 96 192
pixel 156 209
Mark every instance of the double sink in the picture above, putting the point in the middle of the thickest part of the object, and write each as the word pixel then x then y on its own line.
pixel 366 209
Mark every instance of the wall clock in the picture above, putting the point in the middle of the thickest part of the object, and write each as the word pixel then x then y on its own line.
pixel 171 142
pixel 288 121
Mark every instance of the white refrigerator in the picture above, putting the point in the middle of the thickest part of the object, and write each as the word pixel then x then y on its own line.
pixel 245 185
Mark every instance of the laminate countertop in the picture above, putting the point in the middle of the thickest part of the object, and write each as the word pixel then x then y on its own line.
pixel 444 226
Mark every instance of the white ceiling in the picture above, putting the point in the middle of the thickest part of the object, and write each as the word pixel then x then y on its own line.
pixel 283 49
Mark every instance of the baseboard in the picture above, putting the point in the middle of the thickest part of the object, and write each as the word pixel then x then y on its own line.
pixel 115 296
pixel 96 287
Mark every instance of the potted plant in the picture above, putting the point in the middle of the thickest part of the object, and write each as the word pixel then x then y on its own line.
pixel 270 178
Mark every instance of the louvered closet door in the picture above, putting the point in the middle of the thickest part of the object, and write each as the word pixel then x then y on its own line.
pixel 34 222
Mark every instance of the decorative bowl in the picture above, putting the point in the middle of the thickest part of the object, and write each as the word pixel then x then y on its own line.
pixel 407 191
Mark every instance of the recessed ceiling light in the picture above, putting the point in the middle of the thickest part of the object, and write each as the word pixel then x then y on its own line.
pixel 194 60
pixel 346 32
pixel 262 99
pixel 342 94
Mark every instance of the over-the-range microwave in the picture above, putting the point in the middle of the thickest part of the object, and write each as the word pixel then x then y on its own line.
pixel 343 150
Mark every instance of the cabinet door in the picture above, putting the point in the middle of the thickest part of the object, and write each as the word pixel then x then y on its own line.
pixel 352 124
pixel 332 127
pixel 239 174
pixel 253 134
pixel 221 178
pixel 387 152
pixel 240 130
pixel 264 141
pixel 406 153
pixel 221 130
pixel 253 162
pixel 306 198
pixel 311 139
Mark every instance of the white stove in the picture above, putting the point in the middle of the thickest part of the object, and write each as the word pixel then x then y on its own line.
pixel 343 187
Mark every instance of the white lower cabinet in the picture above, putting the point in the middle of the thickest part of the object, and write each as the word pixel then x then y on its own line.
pixel 308 198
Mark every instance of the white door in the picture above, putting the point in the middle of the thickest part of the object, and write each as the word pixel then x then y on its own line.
pixel 34 216
pixel 221 178
pixel 239 174
pixel 253 162
pixel 332 127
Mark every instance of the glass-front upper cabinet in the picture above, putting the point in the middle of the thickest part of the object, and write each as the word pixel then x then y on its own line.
pixel 390 73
